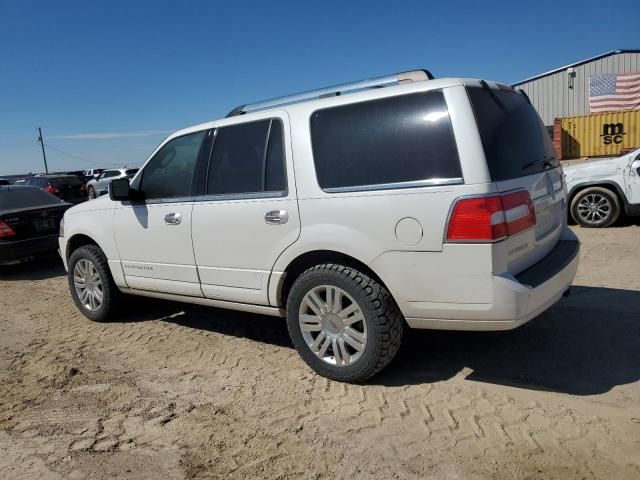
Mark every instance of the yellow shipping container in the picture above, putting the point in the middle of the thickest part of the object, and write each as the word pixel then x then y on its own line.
pixel 598 135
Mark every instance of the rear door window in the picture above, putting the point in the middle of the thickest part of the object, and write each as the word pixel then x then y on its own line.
pixel 248 158
pixel 515 141
pixel 405 141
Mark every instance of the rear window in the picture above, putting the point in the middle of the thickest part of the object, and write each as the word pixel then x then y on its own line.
pixel 24 197
pixel 515 141
pixel 398 140
pixel 72 181
pixel 131 171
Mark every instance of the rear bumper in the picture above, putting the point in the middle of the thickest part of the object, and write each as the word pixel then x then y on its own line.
pixel 515 299
pixel 11 251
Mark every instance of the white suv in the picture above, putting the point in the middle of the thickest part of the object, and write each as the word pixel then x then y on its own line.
pixel 354 211
pixel 601 189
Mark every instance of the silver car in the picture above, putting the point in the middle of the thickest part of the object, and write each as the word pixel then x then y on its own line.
pixel 98 186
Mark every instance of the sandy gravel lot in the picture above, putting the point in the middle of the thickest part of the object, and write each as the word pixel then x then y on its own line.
pixel 173 391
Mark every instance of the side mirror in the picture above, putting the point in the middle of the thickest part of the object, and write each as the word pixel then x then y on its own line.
pixel 119 189
pixel 635 166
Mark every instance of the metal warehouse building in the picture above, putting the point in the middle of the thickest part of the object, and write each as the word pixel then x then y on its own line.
pixel 564 92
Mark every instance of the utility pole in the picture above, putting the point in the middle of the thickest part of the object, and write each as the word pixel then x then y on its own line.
pixel 44 155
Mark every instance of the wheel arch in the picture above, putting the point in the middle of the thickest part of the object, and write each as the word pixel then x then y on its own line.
pixel 312 258
pixel 78 240
pixel 608 184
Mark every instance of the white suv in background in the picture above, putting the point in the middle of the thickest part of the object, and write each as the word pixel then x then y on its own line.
pixel 99 185
pixel 353 211
pixel 601 189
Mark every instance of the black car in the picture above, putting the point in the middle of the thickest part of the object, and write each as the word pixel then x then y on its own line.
pixel 66 187
pixel 4 182
pixel 78 173
pixel 29 221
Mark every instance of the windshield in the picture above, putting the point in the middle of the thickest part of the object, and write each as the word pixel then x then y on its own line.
pixel 515 141
pixel 12 198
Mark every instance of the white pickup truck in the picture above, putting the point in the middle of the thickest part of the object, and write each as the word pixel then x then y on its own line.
pixel 600 190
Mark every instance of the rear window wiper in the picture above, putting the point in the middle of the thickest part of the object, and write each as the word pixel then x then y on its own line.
pixel 544 161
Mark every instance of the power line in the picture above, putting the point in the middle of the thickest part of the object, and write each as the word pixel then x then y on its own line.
pixel 86 160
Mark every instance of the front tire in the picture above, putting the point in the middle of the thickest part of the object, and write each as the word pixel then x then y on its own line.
pixel 344 324
pixel 92 287
pixel 595 207
pixel 92 192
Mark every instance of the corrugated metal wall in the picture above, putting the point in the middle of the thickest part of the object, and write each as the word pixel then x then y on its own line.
pixel 552 96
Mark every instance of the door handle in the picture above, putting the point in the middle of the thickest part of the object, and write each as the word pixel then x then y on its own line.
pixel 172 219
pixel 276 217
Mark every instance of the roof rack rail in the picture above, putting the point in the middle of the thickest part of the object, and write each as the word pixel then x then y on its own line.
pixel 388 80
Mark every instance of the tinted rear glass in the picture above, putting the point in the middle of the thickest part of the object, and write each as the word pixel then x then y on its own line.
pixel 72 181
pixel 23 197
pixel 131 171
pixel 392 140
pixel 512 134
pixel 248 158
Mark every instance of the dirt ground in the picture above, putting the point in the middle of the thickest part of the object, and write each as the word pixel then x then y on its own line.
pixel 174 391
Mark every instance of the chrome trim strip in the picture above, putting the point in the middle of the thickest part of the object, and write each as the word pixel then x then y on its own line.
pixel 209 302
pixel 160 200
pixel 213 198
pixel 240 196
pixel 432 182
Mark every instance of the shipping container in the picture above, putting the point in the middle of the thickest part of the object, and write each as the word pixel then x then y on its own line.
pixel 599 135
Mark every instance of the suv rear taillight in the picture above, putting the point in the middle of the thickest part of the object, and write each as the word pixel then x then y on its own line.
pixel 51 189
pixel 6 230
pixel 491 218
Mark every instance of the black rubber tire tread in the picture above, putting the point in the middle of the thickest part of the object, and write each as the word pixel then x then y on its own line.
pixel 111 293
pixel 385 323
pixel 615 202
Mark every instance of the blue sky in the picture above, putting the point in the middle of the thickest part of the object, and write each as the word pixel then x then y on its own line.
pixel 108 81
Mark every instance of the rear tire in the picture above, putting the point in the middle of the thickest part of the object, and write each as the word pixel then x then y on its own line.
pixel 344 324
pixel 91 284
pixel 595 207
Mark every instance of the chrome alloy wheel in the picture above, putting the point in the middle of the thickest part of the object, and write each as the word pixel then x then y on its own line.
pixel 88 284
pixel 594 208
pixel 332 325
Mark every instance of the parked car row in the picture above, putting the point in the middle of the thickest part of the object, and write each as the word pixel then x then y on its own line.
pixel 77 185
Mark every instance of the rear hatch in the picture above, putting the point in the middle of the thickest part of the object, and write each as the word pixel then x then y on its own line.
pixel 520 156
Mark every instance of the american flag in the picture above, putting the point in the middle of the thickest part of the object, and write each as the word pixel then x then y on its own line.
pixel 611 92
